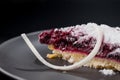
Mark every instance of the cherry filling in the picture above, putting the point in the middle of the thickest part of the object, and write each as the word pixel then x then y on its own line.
pixel 66 42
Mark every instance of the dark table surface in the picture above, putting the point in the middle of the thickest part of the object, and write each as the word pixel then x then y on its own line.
pixel 24 16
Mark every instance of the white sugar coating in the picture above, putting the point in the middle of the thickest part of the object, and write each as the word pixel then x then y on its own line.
pixel 107 72
pixel 111 35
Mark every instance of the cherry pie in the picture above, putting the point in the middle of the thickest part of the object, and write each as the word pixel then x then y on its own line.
pixel 76 42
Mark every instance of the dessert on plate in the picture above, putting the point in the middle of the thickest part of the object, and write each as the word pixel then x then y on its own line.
pixel 74 43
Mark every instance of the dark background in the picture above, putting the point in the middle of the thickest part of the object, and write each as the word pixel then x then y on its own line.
pixel 22 16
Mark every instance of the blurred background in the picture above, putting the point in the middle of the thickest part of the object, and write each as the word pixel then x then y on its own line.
pixel 25 16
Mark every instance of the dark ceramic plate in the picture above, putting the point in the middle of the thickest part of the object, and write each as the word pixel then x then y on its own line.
pixel 17 61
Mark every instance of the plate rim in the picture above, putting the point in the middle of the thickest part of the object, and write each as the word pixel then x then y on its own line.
pixel 4 42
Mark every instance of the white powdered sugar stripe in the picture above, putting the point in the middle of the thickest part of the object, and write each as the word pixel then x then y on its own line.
pixel 107 72
pixel 111 35
pixel 116 51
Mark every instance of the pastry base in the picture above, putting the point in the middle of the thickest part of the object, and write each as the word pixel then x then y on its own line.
pixel 96 62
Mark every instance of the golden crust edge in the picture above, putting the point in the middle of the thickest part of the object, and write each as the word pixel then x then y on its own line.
pixel 96 62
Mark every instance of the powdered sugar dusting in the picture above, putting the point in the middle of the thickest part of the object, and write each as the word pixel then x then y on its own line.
pixel 107 72
pixel 111 35
pixel 115 51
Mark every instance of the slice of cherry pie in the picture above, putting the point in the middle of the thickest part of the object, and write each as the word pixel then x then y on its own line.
pixel 76 42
